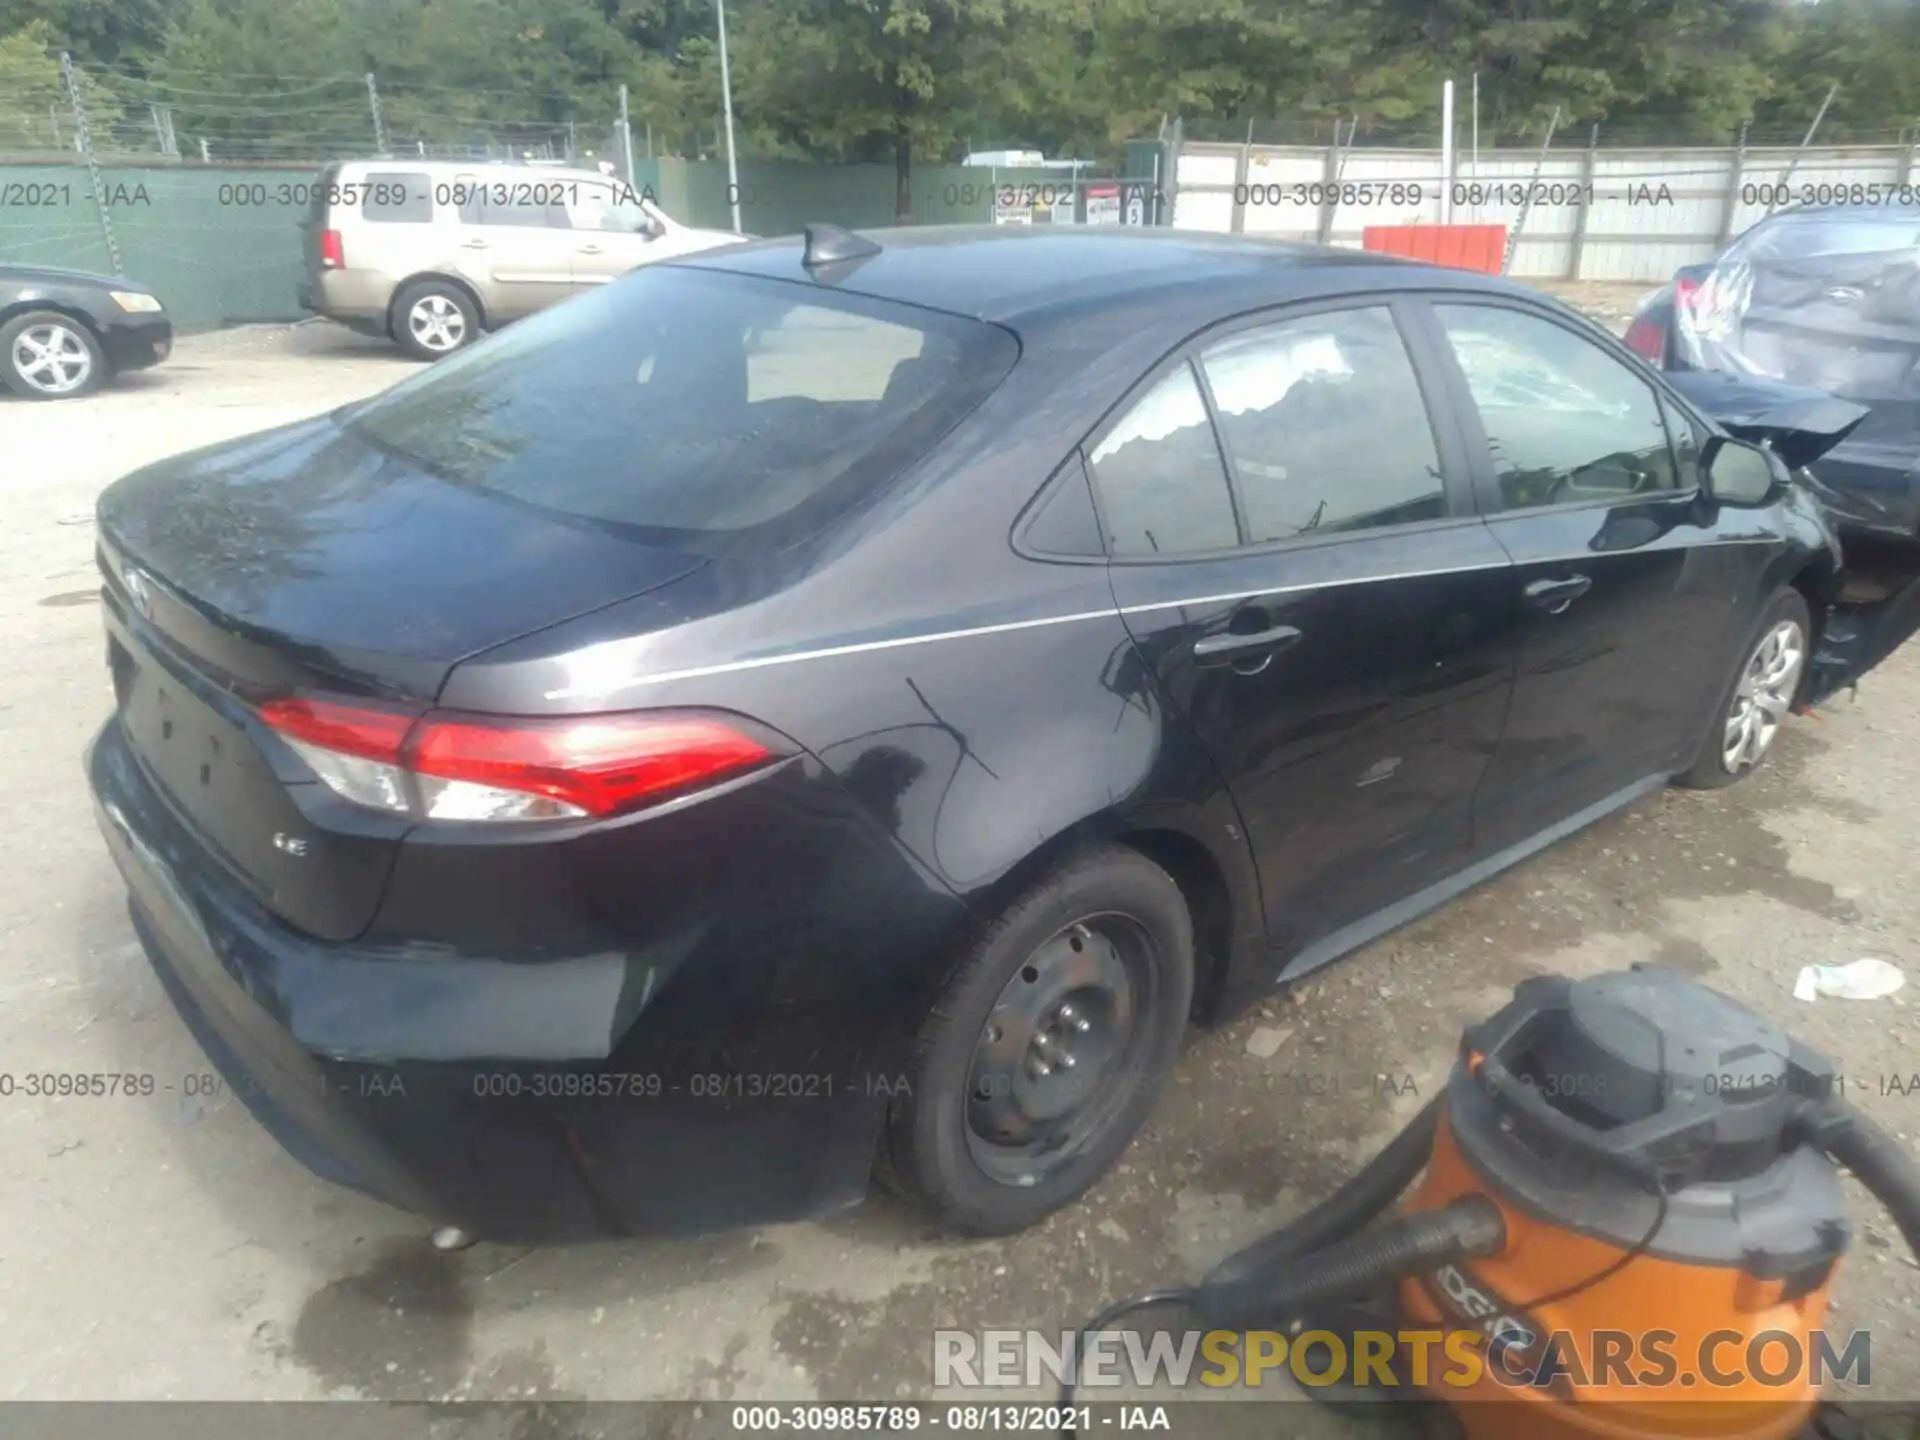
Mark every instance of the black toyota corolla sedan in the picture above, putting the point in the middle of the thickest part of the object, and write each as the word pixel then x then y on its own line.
pixel 842 706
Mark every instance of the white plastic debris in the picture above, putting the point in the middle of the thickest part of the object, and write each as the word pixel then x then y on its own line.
pixel 1265 1042
pixel 1862 980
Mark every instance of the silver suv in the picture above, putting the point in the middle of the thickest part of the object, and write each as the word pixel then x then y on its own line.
pixel 433 253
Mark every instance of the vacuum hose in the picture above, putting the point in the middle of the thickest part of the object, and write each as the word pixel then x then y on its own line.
pixel 1879 1161
pixel 1349 1209
pixel 1425 1240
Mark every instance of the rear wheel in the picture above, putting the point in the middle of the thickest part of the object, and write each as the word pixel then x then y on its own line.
pixel 1047 1047
pixel 1759 697
pixel 432 318
pixel 45 355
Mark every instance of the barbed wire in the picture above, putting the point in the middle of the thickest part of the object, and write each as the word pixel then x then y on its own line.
pixel 258 118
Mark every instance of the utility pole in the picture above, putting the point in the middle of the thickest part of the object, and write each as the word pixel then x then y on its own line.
pixel 1794 164
pixel 626 138
pixel 85 141
pixel 726 100
pixel 1526 203
pixel 379 125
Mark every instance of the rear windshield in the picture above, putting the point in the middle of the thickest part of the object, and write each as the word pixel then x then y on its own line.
pixel 702 405
pixel 1795 237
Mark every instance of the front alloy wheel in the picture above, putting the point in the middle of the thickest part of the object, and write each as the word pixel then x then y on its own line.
pixel 1757 695
pixel 1764 695
pixel 49 357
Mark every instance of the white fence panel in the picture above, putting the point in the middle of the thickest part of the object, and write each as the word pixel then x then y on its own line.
pixel 1601 213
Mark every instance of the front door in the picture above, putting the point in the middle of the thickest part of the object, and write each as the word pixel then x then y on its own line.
pixel 1628 588
pixel 1294 551
pixel 612 232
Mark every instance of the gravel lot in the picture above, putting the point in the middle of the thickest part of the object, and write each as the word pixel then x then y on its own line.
pixel 165 1247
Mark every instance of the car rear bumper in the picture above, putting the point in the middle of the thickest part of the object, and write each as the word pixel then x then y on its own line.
pixel 525 1102
pixel 355 297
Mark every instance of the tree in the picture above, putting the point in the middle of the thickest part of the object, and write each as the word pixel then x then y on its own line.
pixel 36 112
pixel 866 79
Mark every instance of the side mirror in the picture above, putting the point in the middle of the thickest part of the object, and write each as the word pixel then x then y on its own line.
pixel 1741 474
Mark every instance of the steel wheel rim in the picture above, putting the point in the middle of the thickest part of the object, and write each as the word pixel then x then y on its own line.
pixel 1768 683
pixel 436 323
pixel 1069 1023
pixel 51 358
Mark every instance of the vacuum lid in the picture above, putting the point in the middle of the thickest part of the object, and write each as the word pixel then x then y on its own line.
pixel 1647 1070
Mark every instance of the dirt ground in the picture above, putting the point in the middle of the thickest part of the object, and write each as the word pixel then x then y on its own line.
pixel 165 1248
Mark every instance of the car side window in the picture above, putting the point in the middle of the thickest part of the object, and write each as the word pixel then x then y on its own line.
pixel 1161 481
pixel 1324 422
pixel 518 204
pixel 390 197
pixel 614 208
pixel 1565 421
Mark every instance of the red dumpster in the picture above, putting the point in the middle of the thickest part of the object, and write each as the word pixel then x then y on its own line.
pixel 1461 247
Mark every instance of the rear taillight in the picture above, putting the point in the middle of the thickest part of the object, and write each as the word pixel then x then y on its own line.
pixel 1647 338
pixel 333 254
pixel 1685 288
pixel 450 766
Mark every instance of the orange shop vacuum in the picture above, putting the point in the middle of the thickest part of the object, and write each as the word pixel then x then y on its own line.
pixel 1627 1218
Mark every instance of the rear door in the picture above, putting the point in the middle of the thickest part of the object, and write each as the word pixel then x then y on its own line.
pixel 516 241
pixel 1627 591
pixel 1294 549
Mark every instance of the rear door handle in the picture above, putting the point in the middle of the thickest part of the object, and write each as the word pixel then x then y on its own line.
pixel 1248 653
pixel 588 250
pixel 473 244
pixel 1554 596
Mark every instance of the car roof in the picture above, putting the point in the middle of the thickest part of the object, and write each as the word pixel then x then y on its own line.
pixel 1020 275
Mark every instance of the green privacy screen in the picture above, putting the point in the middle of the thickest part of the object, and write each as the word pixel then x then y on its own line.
pixel 221 245
pixel 218 246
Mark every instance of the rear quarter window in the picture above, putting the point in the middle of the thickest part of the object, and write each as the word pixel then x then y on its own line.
pixel 392 197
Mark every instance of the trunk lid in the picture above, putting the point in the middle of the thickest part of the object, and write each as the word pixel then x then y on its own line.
pixel 1800 424
pixel 1868 489
pixel 295 560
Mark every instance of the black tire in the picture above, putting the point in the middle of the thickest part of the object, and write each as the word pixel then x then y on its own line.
pixel 441 301
pixel 77 350
pixel 1711 769
pixel 1107 907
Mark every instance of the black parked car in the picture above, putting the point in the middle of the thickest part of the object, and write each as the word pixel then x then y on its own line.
pixel 1812 300
pixel 818 707
pixel 65 333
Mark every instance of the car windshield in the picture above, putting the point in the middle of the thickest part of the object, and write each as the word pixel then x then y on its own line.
pixel 705 408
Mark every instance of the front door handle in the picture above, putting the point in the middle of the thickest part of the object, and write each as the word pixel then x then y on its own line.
pixel 1249 653
pixel 1554 596
pixel 473 244
pixel 588 250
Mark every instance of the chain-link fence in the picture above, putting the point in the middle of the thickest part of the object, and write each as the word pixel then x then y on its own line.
pixel 240 120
